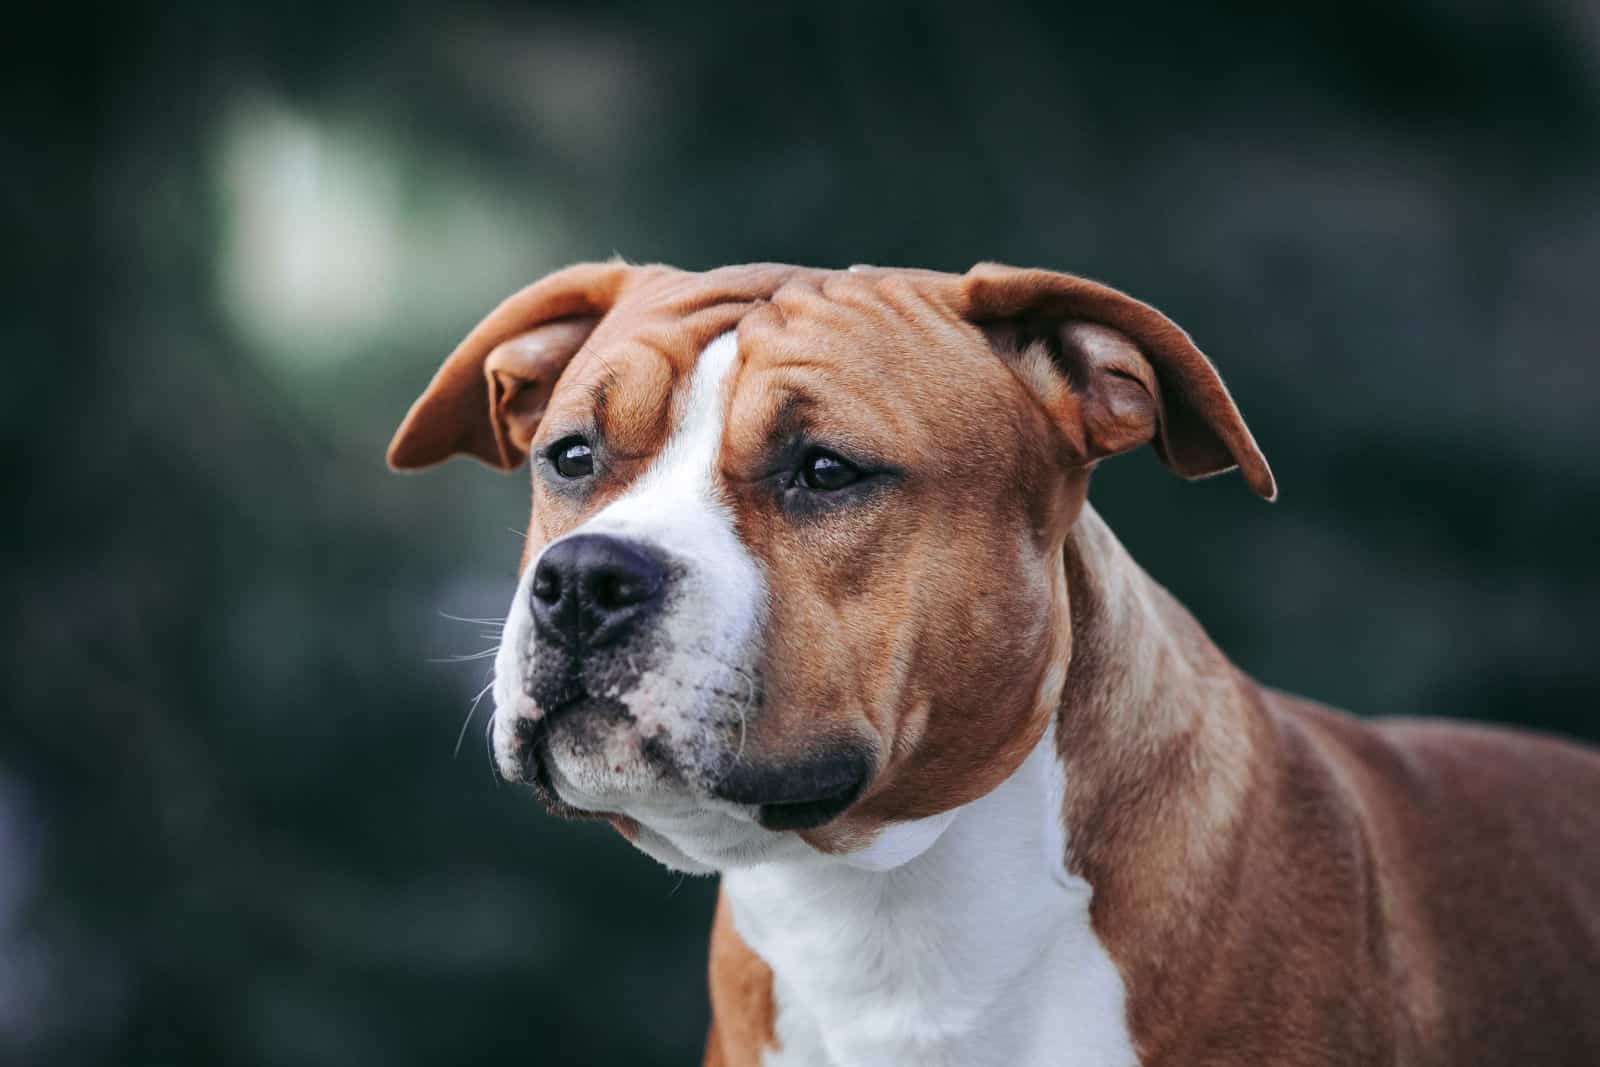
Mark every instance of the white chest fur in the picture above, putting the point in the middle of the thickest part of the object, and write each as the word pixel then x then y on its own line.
pixel 974 949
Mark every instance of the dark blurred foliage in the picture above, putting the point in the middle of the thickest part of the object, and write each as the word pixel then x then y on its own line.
pixel 239 237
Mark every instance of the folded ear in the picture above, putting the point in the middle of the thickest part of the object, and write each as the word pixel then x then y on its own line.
pixel 488 397
pixel 1113 372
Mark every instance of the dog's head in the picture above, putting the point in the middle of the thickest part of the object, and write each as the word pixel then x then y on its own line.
pixel 793 572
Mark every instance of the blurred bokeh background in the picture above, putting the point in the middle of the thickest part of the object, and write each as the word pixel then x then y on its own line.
pixel 238 239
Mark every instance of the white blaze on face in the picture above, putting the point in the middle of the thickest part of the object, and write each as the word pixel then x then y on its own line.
pixel 677 506
pixel 715 605
pixel 701 646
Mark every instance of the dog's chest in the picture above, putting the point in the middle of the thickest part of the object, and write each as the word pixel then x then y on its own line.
pixel 977 951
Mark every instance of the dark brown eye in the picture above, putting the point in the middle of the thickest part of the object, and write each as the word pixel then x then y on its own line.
pixel 572 457
pixel 825 472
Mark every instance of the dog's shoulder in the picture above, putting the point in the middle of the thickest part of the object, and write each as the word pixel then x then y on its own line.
pixel 1478 845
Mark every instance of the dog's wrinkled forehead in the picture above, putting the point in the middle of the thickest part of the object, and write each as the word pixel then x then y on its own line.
pixel 630 379
pixel 1112 372
pixel 850 350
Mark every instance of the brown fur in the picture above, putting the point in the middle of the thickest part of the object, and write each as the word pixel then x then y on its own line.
pixel 1280 883
pixel 742 1008
pixel 888 642
pixel 1277 883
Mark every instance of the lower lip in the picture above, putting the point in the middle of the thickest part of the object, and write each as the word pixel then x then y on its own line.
pixel 807 814
pixel 776 816
pixel 536 767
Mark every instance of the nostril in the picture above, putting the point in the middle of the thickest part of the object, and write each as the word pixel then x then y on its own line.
pixel 546 583
pixel 620 589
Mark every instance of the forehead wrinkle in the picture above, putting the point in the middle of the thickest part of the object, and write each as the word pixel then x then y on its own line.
pixel 619 393
pixel 683 293
pixel 596 392
pixel 682 333
pixel 634 415
pixel 815 401
pixel 699 418
pixel 684 340
pixel 633 380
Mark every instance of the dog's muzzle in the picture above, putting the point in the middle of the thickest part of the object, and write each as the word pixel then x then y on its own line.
pixel 595 603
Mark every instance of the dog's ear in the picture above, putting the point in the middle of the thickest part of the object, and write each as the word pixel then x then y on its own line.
pixel 1113 372
pixel 487 399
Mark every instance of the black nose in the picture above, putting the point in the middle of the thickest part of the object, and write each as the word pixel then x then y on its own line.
pixel 590 590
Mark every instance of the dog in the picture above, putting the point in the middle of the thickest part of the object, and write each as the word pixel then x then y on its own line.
pixel 812 599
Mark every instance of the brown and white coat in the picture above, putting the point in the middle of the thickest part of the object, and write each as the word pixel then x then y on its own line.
pixel 979 790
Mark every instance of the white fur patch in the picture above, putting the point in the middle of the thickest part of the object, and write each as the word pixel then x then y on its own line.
pixel 702 675
pixel 676 506
pixel 977 950
pixel 899 843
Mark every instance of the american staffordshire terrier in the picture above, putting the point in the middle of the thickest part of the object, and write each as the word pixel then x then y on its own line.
pixel 812 599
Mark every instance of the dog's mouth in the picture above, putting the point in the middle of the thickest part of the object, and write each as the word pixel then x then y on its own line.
pixel 799 796
pixel 791 796
pixel 807 814
pixel 533 756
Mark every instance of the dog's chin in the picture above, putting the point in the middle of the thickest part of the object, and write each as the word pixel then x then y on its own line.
pixel 685 829
pixel 540 774
pixel 651 787
pixel 579 771
pixel 742 820
pixel 696 807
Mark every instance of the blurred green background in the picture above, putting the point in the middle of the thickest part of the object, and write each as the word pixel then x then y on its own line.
pixel 239 238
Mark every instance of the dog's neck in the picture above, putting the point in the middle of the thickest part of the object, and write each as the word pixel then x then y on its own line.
pixel 970 935
pixel 1167 754
pixel 1154 721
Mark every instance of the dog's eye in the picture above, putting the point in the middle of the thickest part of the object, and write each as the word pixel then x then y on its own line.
pixel 572 457
pixel 825 472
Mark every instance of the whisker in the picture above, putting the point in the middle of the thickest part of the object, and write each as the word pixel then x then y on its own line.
pixel 500 621
pixel 473 710
pixel 744 708
pixel 466 657
pixel 706 651
pixel 488 744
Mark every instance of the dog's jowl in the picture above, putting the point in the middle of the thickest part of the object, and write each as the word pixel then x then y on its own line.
pixel 812 599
